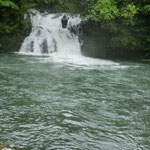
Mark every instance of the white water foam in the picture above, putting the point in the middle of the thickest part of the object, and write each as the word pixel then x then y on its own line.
pixel 49 38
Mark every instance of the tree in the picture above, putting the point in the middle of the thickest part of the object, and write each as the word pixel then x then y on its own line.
pixel 128 20
pixel 6 24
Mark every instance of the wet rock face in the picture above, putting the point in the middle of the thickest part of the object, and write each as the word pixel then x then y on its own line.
pixel 31 46
pixel 44 47
pixel 77 30
pixel 64 21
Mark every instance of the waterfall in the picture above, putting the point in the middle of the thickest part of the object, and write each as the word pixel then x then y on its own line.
pixel 48 35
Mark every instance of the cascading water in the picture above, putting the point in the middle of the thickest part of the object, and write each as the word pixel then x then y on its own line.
pixel 49 37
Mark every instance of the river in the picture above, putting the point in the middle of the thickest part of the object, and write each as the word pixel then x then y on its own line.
pixel 47 104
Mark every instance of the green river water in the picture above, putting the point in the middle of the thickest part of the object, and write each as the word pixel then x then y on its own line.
pixel 48 105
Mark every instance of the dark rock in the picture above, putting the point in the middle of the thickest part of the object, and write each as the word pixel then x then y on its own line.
pixel 64 21
pixel 44 47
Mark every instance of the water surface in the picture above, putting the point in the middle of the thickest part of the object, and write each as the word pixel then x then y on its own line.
pixel 53 105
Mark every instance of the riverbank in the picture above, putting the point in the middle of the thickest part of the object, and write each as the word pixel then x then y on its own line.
pixel 144 60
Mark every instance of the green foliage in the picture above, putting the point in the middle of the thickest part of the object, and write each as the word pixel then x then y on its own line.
pixel 129 21
pixel 11 14
pixel 104 10
pixel 108 10
pixel 146 9
pixel 128 13
pixel 67 5
pixel 8 3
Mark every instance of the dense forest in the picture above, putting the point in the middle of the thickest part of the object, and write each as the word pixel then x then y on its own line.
pixel 127 21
